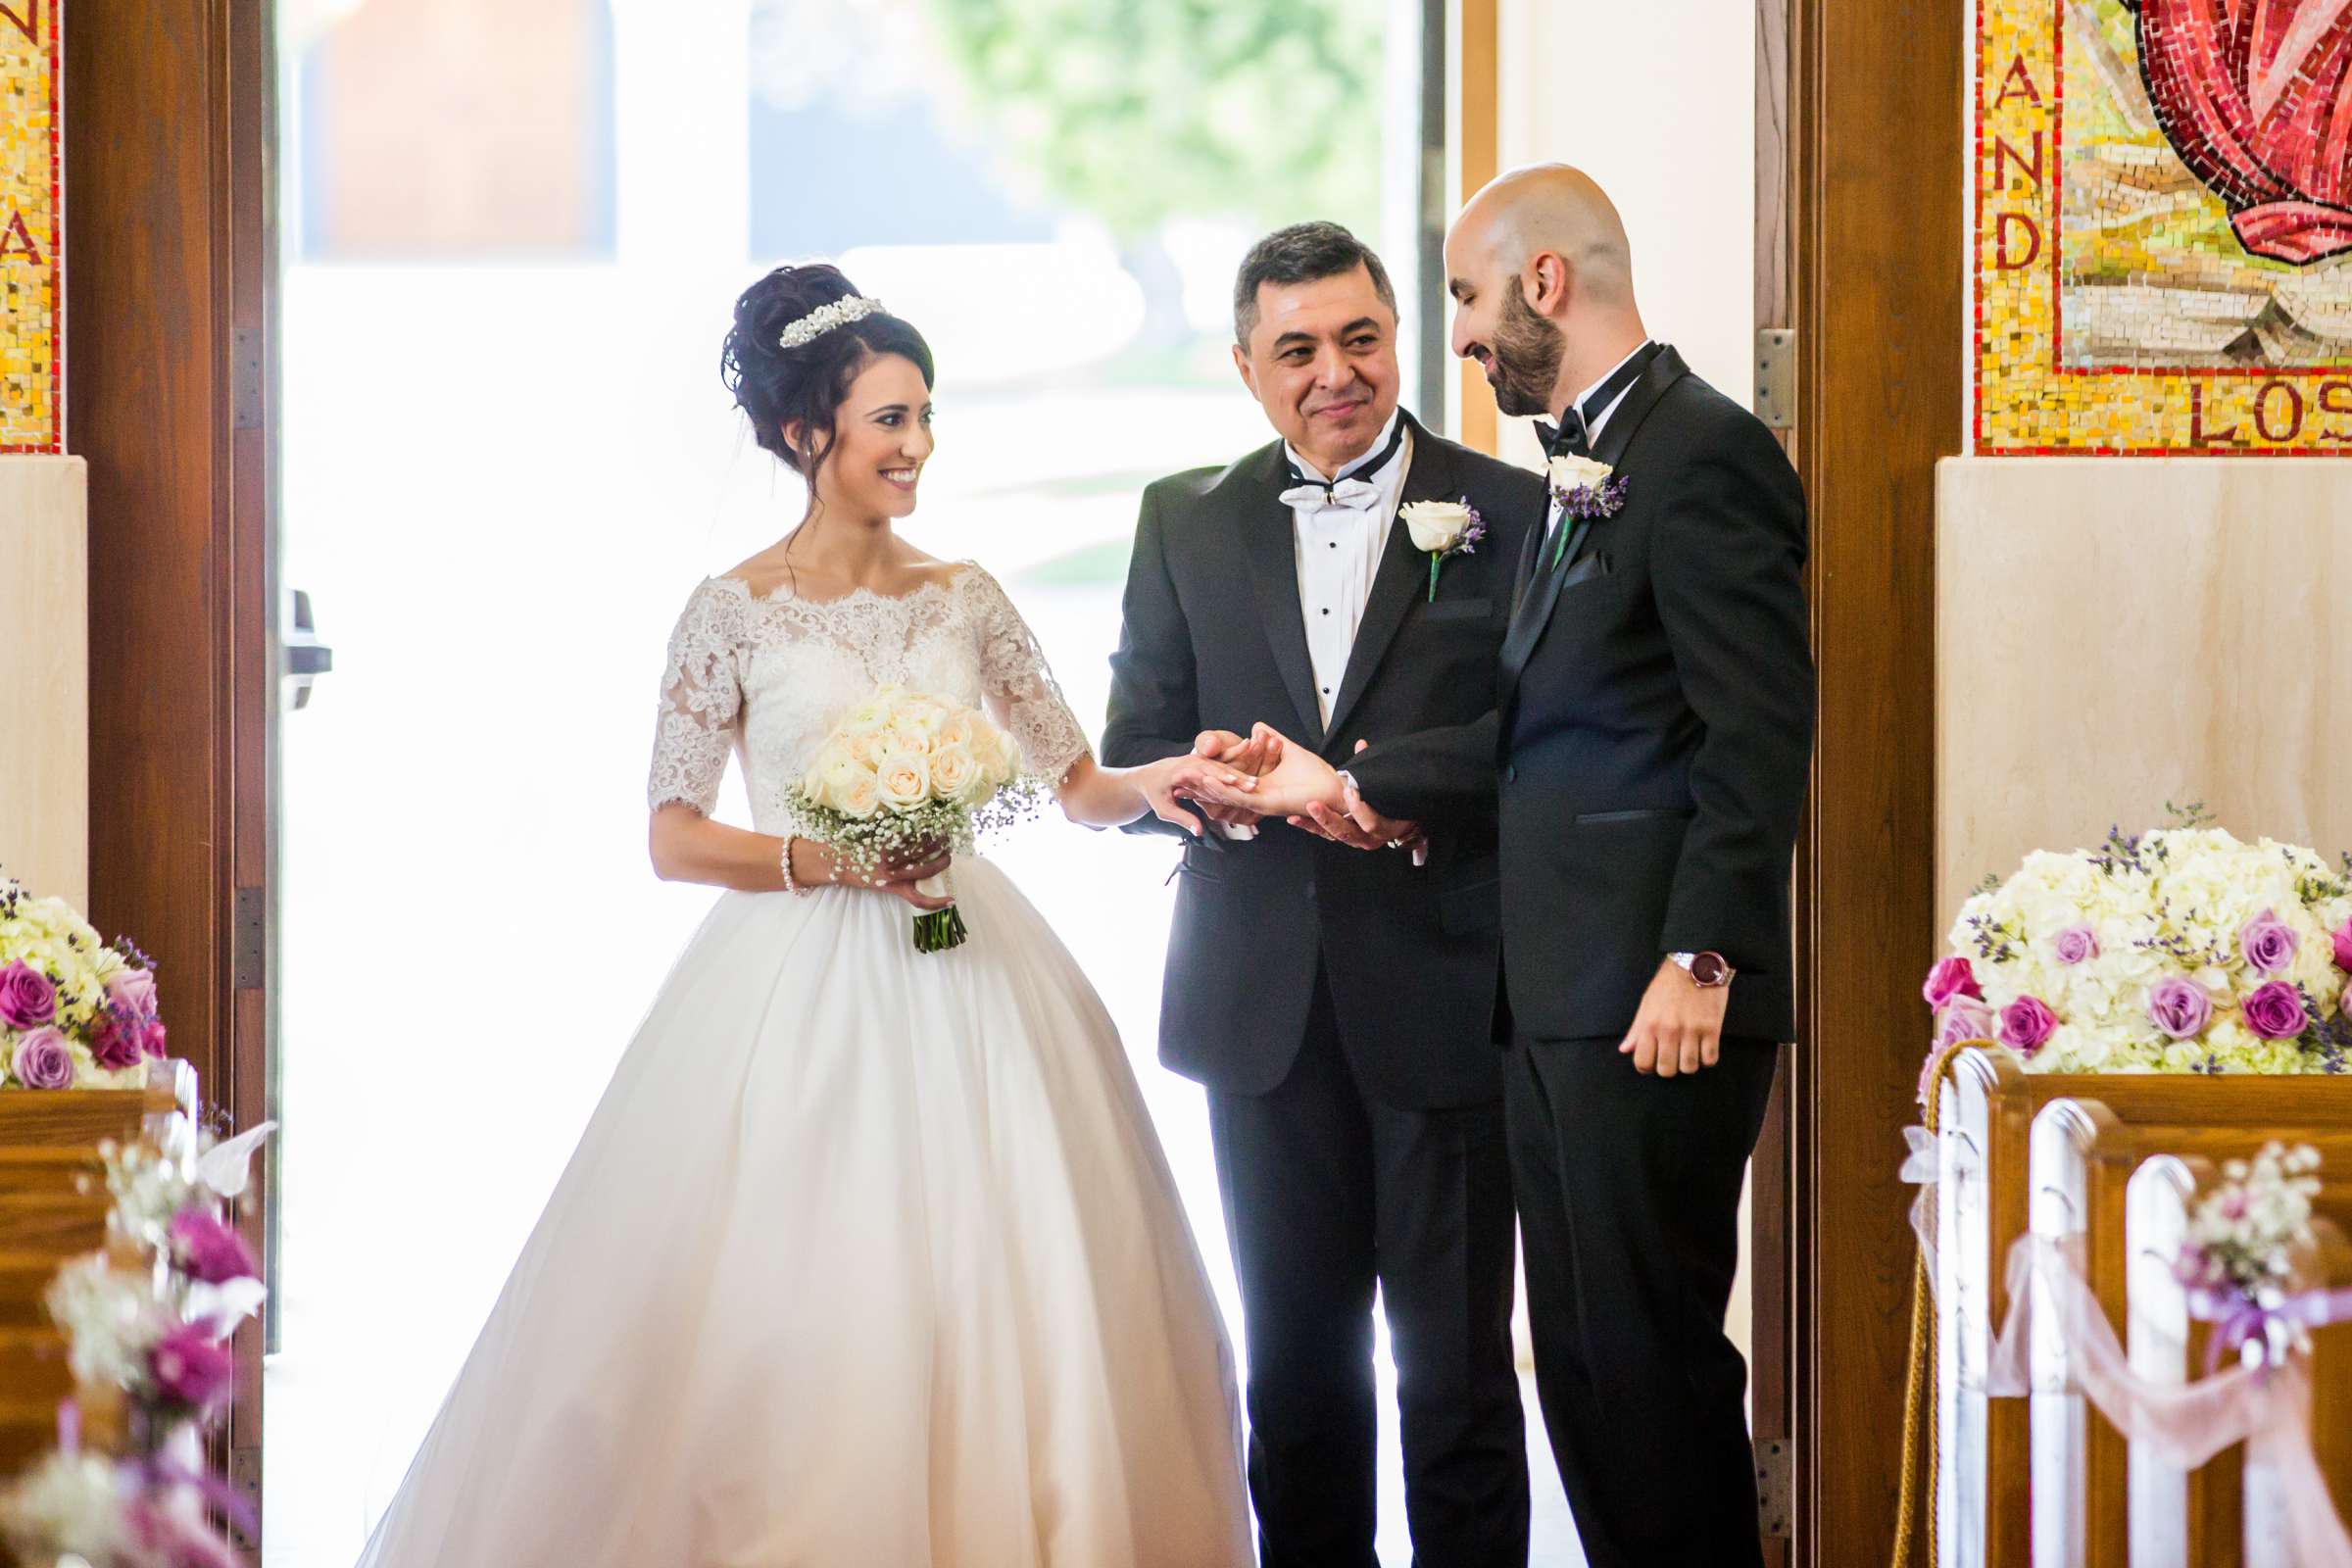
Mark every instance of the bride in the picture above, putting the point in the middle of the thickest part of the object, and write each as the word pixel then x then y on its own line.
pixel 869 1258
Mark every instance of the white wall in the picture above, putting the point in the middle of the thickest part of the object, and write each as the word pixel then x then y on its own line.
pixel 45 695
pixel 1657 102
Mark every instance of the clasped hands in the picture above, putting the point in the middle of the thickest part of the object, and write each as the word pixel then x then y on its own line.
pixel 1240 781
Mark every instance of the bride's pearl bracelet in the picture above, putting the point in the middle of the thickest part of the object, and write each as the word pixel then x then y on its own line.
pixel 790 885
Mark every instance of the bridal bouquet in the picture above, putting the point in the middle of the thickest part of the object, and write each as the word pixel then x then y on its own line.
pixel 2178 949
pixel 74 1014
pixel 906 774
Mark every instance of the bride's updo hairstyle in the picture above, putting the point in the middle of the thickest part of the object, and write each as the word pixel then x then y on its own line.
pixel 774 386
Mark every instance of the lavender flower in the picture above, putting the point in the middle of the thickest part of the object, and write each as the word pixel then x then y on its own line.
pixel 2077 944
pixel 43 1060
pixel 2180 1007
pixel 2268 943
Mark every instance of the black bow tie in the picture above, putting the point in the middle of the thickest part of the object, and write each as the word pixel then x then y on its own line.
pixel 1363 468
pixel 1573 438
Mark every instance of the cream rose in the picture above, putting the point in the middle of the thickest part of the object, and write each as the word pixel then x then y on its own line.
pixel 959 730
pixel 855 793
pixel 868 746
pixel 905 778
pixel 956 773
pixel 1574 473
pixel 1436 526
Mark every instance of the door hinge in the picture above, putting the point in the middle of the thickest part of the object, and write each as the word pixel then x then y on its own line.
pixel 245 378
pixel 1776 376
pixel 1774 1486
pixel 245 1477
pixel 250 946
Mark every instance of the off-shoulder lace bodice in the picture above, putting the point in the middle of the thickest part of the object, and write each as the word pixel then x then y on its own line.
pixel 769 677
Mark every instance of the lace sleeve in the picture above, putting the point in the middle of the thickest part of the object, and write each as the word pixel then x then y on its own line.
pixel 1020 686
pixel 700 696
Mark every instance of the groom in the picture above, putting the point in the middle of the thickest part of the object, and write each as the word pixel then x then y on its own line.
pixel 1653 735
pixel 1334 1003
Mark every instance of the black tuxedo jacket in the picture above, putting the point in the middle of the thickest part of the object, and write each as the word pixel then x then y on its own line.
pixel 1654 731
pixel 1214 639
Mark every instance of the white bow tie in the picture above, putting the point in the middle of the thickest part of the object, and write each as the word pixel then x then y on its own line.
pixel 1349 495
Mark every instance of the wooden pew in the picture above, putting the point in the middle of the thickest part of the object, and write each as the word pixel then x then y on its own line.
pixel 1988 1105
pixel 2198 1519
pixel 48 1144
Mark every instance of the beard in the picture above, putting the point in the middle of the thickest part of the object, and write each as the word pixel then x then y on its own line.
pixel 1526 357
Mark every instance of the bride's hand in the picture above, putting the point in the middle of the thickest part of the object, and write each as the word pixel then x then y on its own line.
pixel 814 865
pixel 1294 779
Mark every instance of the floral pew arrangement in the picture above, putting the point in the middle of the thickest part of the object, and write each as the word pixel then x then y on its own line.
pixel 147 1321
pixel 74 1012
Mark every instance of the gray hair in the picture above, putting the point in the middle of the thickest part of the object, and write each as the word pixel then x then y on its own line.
pixel 1304 253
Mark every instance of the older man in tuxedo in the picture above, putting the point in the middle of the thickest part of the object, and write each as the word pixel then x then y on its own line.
pixel 1335 1003
pixel 1651 739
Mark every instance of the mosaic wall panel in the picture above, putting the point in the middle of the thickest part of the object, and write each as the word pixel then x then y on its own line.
pixel 2162 248
pixel 31 227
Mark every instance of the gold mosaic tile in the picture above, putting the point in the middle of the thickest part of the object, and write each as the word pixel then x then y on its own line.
pixel 32 227
pixel 2162 258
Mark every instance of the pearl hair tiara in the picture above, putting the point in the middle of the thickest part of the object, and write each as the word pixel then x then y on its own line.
pixel 825 318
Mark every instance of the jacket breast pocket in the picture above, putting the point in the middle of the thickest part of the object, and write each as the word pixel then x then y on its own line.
pixel 1459 608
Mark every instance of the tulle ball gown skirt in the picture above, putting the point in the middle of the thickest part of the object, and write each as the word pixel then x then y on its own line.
pixel 867 1258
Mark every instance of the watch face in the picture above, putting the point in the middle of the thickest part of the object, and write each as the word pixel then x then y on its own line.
pixel 1709 970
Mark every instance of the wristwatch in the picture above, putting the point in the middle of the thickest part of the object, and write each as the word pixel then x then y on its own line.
pixel 1706 970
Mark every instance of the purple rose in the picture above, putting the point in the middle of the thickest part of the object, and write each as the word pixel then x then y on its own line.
pixel 1950 978
pixel 2077 944
pixel 115 1038
pixel 151 1039
pixel 1964 1018
pixel 189 1369
pixel 2276 1012
pixel 209 1248
pixel 2026 1023
pixel 2268 943
pixel 2343 944
pixel 43 1060
pixel 134 989
pixel 2180 1007
pixel 27 999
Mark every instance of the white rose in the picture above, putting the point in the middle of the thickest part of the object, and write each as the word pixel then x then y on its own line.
pixel 857 793
pixel 911 739
pixel 1436 526
pixel 1575 474
pixel 867 745
pixel 957 775
pixel 905 778
pixel 918 715
pixel 1008 757
pixel 961 729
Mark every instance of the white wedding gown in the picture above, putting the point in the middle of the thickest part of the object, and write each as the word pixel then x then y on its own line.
pixel 869 1258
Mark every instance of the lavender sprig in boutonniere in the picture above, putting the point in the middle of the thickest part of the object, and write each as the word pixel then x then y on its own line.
pixel 1444 529
pixel 1586 492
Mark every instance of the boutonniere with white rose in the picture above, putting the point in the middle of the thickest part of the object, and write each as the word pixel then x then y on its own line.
pixel 1442 530
pixel 1586 491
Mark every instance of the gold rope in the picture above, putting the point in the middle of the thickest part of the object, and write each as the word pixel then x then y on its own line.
pixel 1919 1381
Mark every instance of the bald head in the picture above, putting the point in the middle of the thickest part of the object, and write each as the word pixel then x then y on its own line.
pixel 1542 275
pixel 1555 210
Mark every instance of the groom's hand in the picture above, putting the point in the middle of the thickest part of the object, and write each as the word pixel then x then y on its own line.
pixel 1679 1025
pixel 1359 826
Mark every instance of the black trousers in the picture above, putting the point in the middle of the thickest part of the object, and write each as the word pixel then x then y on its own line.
pixel 1629 1205
pixel 1327 1194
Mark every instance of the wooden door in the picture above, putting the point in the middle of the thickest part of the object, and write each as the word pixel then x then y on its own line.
pixel 1875 188
pixel 169 125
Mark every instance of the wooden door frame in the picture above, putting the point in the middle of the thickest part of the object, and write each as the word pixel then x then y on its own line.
pixel 169 161
pixel 1875 188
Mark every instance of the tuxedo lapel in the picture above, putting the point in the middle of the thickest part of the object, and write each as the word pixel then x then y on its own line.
pixel 1404 573
pixel 1534 609
pixel 1262 529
